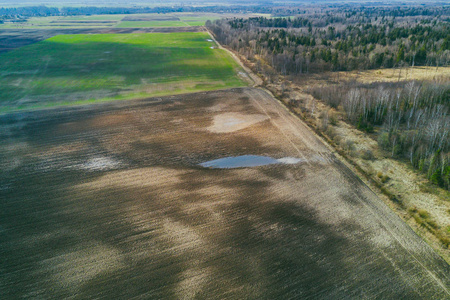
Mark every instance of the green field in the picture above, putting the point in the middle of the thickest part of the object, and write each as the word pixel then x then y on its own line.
pixel 72 69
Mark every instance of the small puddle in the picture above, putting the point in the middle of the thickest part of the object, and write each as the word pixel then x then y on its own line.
pixel 248 161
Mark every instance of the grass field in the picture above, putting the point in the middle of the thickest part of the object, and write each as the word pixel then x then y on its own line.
pixel 69 69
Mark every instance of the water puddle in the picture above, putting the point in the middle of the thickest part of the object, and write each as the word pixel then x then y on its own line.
pixel 248 161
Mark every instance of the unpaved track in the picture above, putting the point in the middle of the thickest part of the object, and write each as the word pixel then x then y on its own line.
pixel 108 201
pixel 257 81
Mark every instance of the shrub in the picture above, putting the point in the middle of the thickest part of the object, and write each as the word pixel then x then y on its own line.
pixel 423 214
pixel 367 155
pixel 412 209
pixel 432 223
pixel 337 139
pixel 418 220
pixel 436 178
pixel 323 114
pixel 332 119
pixel 445 240
pixel 397 150
pixel 349 145
pixel 330 132
pixel 383 140
pixel 364 125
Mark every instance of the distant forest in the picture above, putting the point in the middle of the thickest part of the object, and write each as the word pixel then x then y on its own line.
pixel 343 40
pixel 18 13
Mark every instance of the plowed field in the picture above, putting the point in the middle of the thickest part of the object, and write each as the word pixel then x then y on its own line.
pixel 109 201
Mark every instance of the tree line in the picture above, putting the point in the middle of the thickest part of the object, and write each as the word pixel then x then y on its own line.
pixel 413 116
pixel 23 12
pixel 300 45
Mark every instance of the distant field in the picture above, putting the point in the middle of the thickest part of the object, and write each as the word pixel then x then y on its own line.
pixel 121 21
pixel 85 68
pixel 134 24
pixel 167 20
pixel 67 22
pixel 97 17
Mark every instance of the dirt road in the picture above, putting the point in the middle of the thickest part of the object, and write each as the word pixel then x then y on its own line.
pixel 257 81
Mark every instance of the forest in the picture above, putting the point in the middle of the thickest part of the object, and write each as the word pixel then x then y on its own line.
pixel 410 118
pixel 340 42
pixel 413 120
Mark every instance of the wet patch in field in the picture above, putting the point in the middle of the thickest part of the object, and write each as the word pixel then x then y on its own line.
pixel 248 161
pixel 230 122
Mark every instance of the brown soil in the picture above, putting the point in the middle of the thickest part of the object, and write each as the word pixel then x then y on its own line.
pixel 109 201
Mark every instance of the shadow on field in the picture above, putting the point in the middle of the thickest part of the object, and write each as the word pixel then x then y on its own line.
pixel 254 247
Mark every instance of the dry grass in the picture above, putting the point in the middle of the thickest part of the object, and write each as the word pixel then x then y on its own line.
pixel 392 75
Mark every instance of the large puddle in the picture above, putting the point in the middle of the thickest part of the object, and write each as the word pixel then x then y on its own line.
pixel 248 161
